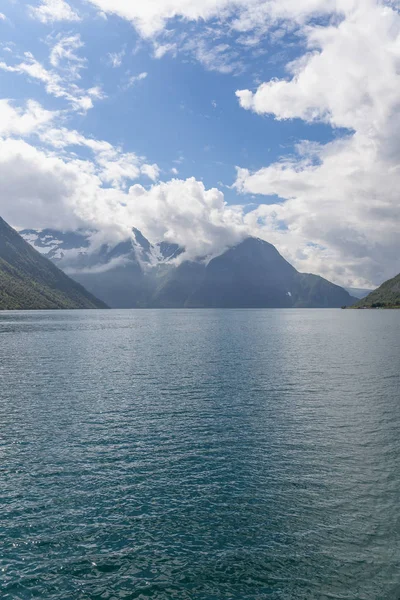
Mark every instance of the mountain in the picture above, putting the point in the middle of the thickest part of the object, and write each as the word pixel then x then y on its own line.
pixel 31 281
pixel 250 275
pixel 118 274
pixel 386 296
pixel 358 292
pixel 135 273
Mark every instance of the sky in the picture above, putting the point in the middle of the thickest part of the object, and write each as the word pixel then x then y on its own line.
pixel 204 121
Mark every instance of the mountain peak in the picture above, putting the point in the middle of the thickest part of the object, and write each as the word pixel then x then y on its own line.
pixel 141 240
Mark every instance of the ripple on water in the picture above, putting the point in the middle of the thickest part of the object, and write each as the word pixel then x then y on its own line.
pixel 200 455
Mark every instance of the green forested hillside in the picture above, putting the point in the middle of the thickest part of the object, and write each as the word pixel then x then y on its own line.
pixel 28 280
pixel 386 296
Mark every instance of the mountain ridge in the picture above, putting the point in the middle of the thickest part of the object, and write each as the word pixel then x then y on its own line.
pixel 250 274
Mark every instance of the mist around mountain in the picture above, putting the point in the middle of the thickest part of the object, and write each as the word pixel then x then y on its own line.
pixel 31 281
pixel 137 274
pixel 386 296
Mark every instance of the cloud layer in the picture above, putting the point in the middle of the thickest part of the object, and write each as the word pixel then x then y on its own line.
pixel 337 205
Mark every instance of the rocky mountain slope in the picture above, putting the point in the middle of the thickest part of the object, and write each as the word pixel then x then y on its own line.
pixel 31 281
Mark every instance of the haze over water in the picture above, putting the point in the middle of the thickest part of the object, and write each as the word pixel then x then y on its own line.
pixel 211 454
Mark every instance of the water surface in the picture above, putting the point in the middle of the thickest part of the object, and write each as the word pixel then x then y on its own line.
pixel 211 454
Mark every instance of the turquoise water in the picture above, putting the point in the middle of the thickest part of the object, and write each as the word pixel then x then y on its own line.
pixel 216 454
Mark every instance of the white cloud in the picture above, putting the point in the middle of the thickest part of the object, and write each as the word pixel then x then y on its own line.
pixel 50 11
pixel 161 49
pixel 2 17
pixel 342 196
pixel 151 17
pixel 52 186
pixel 188 214
pixel 111 165
pixel 115 58
pixel 151 171
pixel 222 22
pixel 40 189
pixel 34 184
pixel 135 79
pixel 63 55
pixel 214 56
pixel 56 84
pixel 346 76
pixel 215 29
pixel 17 121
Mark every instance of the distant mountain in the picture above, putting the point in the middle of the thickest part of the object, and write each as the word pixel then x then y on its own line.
pixel 250 275
pixel 31 281
pixel 358 292
pixel 386 296
pixel 118 274
pixel 136 273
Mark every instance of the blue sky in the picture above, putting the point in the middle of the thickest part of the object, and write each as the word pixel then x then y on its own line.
pixel 183 114
pixel 188 90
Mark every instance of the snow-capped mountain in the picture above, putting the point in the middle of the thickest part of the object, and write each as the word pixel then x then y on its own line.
pixel 135 273
pixel 77 250
pixel 121 272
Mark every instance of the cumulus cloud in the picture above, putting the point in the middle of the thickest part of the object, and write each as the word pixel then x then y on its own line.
pixel 34 184
pixel 78 187
pixel 188 214
pixel 50 11
pixel 151 171
pixel 52 186
pixel 341 198
pixel 40 189
pixel 23 122
pixel 111 164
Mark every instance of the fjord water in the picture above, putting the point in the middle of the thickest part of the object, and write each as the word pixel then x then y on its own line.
pixel 215 454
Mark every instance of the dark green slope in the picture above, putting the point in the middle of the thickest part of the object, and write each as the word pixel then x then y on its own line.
pixel 28 280
pixel 386 296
